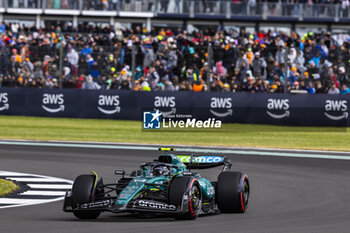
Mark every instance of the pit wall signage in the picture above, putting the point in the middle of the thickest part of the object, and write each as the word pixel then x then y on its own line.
pixel 276 109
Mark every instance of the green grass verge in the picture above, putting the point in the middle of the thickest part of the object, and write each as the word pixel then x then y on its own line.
pixel 243 135
pixel 7 187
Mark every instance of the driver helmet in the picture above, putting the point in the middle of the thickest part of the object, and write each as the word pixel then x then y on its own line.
pixel 161 171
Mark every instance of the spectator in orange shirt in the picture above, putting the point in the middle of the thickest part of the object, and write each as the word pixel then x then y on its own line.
pixel 15 57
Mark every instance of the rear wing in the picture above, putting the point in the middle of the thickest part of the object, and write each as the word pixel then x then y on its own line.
pixel 205 161
pixel 198 161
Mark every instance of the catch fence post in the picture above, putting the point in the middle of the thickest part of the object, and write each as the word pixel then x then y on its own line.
pixel 133 64
pixel 286 67
pixel 210 51
pixel 61 64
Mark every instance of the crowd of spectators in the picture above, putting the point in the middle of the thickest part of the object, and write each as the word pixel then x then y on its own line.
pixel 173 60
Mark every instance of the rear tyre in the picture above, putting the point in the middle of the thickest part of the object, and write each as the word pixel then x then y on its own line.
pixel 180 186
pixel 232 192
pixel 84 191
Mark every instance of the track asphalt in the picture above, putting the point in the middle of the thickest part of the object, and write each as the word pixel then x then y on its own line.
pixel 288 194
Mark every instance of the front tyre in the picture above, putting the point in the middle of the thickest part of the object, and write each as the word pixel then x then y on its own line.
pixel 232 192
pixel 84 191
pixel 189 187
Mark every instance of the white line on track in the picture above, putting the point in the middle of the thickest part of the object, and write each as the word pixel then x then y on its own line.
pixel 44 193
pixel 27 203
pixel 19 201
pixel 28 180
pixel 238 151
pixel 178 145
pixel 13 174
pixel 49 186
pixel 51 194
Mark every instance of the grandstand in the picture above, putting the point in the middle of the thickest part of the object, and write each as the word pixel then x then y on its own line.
pixel 199 45
pixel 253 14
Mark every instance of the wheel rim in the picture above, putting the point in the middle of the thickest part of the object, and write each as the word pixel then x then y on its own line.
pixel 245 192
pixel 195 199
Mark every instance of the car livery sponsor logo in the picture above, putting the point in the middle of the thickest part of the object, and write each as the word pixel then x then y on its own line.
pixel 221 103
pixel 280 105
pixel 201 159
pixel 336 109
pixel 55 102
pixel 4 101
pixel 165 102
pixel 98 204
pixel 148 204
pixel 138 180
pixel 108 104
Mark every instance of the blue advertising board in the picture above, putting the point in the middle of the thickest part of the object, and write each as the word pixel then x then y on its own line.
pixel 276 109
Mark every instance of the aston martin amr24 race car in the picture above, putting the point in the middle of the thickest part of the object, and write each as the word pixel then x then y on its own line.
pixel 167 185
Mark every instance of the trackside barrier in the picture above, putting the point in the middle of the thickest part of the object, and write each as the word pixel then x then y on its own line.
pixel 278 109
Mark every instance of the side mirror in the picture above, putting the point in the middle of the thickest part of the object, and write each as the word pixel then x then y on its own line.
pixel 119 173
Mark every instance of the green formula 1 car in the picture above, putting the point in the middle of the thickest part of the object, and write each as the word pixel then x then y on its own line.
pixel 166 186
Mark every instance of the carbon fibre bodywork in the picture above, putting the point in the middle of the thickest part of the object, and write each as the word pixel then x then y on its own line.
pixel 143 192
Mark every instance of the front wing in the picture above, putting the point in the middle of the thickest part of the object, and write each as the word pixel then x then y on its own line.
pixel 134 206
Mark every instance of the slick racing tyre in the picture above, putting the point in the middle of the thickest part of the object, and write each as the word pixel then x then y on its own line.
pixel 232 192
pixel 84 191
pixel 186 185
